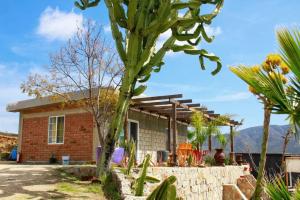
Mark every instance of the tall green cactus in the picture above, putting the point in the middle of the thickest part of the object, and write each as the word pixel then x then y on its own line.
pixel 166 190
pixel 139 190
pixel 136 26
pixel 132 154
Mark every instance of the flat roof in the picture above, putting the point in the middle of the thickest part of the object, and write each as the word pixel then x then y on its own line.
pixel 164 105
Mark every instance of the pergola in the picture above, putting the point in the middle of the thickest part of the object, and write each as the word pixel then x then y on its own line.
pixel 175 109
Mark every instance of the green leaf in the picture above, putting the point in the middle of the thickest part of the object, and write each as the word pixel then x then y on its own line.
pixel 151 179
pixel 139 90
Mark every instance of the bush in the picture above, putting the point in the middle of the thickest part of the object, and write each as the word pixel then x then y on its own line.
pixel 209 160
pixel 4 156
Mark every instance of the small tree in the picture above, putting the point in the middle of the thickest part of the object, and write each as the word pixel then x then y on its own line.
pixel 267 83
pixel 213 127
pixel 136 26
pixel 198 135
pixel 85 73
pixel 222 140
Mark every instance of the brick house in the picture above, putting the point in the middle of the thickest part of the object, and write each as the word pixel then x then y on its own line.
pixel 45 128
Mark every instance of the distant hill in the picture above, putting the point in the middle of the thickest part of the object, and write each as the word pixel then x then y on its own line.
pixel 249 140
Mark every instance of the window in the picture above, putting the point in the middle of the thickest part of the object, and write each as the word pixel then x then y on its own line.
pixel 56 130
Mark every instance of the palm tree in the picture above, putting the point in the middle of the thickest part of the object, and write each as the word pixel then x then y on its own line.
pixel 289 42
pixel 212 129
pixel 199 134
pixel 222 140
pixel 268 83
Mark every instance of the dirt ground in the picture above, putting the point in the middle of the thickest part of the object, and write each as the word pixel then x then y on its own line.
pixel 41 182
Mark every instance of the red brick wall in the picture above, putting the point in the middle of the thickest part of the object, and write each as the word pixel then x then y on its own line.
pixel 78 139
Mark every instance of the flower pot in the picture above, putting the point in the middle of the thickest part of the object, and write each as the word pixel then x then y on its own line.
pixel 239 159
pixel 219 157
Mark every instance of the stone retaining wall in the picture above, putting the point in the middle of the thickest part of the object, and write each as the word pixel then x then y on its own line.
pixel 7 142
pixel 192 183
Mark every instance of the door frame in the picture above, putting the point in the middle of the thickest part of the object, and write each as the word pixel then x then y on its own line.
pixel 138 134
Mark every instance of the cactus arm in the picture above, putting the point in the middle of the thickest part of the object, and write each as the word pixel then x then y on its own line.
pixel 171 193
pixel 151 179
pixel 141 180
pixel 132 8
pixel 131 158
pixel 84 4
pixel 117 35
pixel 139 90
pixel 119 13
pixel 166 190
pixel 196 42
pixel 205 36
pixel 186 36
pixel 183 5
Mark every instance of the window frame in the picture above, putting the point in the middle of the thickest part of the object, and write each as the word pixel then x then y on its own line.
pixel 56 117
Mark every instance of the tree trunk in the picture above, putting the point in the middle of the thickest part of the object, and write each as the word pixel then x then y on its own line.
pixel 116 125
pixel 101 142
pixel 262 162
pixel 231 140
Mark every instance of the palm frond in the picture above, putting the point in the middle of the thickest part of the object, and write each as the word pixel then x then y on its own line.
pixel 277 190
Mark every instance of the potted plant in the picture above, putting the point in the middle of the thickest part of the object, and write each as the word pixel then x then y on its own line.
pixel 52 159
pixel 220 155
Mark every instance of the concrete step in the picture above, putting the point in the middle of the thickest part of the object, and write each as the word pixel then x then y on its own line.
pixel 232 192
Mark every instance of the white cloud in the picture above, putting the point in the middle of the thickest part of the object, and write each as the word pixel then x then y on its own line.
pixel 228 97
pixel 212 31
pixel 173 87
pixel 55 24
pixel 107 28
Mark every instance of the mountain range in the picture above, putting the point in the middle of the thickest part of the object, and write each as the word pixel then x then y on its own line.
pixel 249 140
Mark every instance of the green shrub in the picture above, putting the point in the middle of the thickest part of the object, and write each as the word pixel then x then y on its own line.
pixel 209 160
pixel 4 156
pixel 110 189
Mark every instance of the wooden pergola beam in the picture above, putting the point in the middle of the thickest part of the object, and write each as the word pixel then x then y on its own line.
pixel 185 101
pixel 164 106
pixel 173 96
pixel 193 105
pixel 151 104
pixel 178 111
pixel 201 108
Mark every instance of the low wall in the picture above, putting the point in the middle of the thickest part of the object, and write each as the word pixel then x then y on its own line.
pixel 192 182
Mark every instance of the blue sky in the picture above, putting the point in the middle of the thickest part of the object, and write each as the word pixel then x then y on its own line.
pixel 244 30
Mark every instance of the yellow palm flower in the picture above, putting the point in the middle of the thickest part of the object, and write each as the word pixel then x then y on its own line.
pixel 283 79
pixel 267 67
pixel 255 69
pixel 252 90
pixel 272 75
pixel 274 60
pixel 284 68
